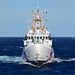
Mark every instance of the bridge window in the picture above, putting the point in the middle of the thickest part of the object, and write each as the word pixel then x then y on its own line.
pixel 29 37
pixel 46 38
pixel 40 37
pixel 37 37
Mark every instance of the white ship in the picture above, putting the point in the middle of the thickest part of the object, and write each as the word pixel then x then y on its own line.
pixel 37 43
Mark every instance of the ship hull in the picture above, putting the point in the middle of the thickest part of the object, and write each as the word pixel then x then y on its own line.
pixel 38 54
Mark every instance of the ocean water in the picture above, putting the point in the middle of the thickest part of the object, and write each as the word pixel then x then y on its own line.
pixel 11 56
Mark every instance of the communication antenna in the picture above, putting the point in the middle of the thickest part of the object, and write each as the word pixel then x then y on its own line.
pixel 37 5
pixel 28 24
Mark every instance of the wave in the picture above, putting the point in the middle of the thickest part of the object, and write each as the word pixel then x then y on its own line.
pixel 5 49
pixel 20 47
pixel 10 59
pixel 63 60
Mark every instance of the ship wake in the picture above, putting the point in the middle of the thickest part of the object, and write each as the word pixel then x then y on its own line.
pixel 19 60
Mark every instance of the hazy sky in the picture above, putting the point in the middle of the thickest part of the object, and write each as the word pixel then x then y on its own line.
pixel 14 17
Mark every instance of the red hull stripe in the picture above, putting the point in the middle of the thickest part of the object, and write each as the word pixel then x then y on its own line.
pixel 50 56
pixel 51 53
pixel 26 56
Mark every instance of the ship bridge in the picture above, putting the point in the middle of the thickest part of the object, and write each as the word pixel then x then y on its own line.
pixel 38 33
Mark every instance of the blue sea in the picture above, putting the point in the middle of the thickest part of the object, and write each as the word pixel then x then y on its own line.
pixel 11 56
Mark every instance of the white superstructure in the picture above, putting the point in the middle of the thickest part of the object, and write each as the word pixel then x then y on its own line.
pixel 37 43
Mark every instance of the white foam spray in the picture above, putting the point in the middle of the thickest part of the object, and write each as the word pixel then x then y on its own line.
pixel 17 59
pixel 10 59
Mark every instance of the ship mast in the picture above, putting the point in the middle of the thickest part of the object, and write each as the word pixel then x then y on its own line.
pixel 37 22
